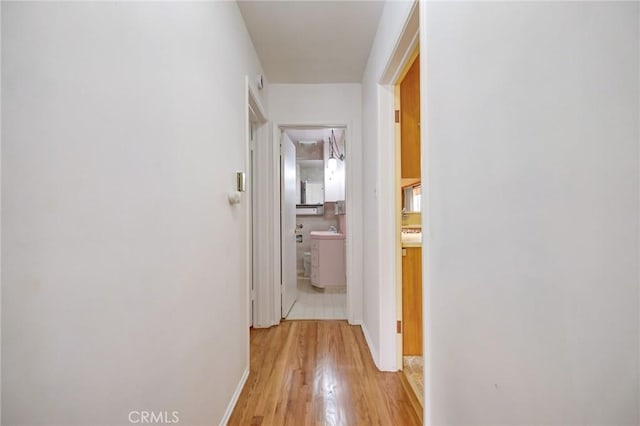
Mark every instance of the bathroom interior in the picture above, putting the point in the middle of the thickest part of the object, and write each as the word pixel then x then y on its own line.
pixel 409 207
pixel 320 223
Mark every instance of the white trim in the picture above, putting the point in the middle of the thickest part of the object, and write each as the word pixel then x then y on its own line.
pixel 372 350
pixel 263 254
pixel 354 303
pixel 276 290
pixel 353 201
pixel 247 216
pixel 234 398
pixel 426 221
pixel 386 179
pixel 403 49
pixel 350 206
pixel 261 223
pixel 387 255
pixel 256 104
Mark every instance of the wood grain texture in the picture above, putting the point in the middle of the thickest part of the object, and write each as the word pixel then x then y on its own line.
pixel 410 122
pixel 319 373
pixel 412 301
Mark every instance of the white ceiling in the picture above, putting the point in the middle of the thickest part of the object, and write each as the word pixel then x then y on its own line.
pixel 312 41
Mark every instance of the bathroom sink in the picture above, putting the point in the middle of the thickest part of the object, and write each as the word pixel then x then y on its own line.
pixel 327 235
pixel 412 237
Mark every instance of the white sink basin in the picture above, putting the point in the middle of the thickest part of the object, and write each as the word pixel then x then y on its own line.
pixel 412 237
pixel 326 235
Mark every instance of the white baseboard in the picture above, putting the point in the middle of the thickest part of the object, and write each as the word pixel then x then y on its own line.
pixel 372 349
pixel 234 398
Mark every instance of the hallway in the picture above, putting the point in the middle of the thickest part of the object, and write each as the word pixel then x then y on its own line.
pixel 142 235
pixel 321 373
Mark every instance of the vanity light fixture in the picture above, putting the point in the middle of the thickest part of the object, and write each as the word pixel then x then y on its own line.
pixel 332 163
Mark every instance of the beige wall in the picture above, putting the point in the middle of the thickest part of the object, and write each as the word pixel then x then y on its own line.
pixel 332 104
pixel 531 149
pixel 123 264
pixel 379 290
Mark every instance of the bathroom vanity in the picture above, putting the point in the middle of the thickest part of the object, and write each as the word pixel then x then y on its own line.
pixel 328 268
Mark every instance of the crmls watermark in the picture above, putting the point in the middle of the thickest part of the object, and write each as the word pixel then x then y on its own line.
pixel 154 417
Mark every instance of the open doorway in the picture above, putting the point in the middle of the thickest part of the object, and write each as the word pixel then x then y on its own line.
pixel 409 225
pixel 313 222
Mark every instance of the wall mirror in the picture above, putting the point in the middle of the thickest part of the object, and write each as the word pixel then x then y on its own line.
pixel 320 165
pixel 411 198
pixel 310 181
pixel 310 170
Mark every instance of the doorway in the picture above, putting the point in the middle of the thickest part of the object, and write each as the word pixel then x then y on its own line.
pixel 313 222
pixel 409 225
pixel 257 205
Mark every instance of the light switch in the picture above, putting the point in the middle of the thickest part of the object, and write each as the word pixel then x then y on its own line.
pixel 241 181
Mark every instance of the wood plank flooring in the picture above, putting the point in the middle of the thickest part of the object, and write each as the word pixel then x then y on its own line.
pixel 318 373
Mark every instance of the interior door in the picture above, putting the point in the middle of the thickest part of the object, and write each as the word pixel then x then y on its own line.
pixel 412 301
pixel 410 122
pixel 288 228
pixel 252 205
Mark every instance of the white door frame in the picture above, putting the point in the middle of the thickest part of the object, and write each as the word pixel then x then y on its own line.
pixel 256 232
pixel 388 191
pixel 387 166
pixel 267 302
pixel 271 295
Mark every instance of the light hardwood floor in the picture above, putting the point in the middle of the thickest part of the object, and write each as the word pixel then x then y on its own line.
pixel 318 373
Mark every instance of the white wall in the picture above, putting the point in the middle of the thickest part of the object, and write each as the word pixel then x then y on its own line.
pixel 331 104
pixel 123 274
pixel 531 142
pixel 379 316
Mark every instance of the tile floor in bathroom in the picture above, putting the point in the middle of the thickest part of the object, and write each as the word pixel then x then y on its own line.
pixel 318 303
pixel 413 369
